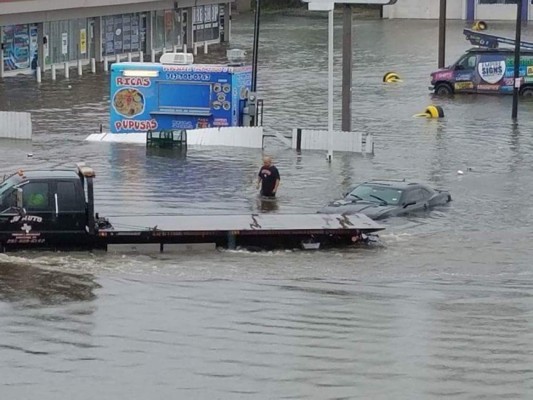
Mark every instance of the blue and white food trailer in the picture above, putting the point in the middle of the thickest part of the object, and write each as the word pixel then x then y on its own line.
pixel 158 96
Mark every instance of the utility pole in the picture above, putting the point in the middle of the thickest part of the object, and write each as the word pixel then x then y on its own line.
pixel 518 38
pixel 442 34
pixel 256 44
pixel 347 68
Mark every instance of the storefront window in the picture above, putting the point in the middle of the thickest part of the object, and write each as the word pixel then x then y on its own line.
pixel 159 29
pixel 121 34
pixel 206 22
pixel 66 40
pixel 497 1
pixel 20 46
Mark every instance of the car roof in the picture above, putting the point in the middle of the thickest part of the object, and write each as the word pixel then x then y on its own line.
pixel 498 50
pixel 51 174
pixel 394 183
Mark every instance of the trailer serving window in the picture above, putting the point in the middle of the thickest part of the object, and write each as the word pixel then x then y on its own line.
pixel 184 97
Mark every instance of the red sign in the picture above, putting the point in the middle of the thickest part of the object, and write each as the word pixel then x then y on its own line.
pixel 133 81
pixel 133 125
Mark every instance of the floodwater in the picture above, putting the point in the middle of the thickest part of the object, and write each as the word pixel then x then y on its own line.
pixel 443 309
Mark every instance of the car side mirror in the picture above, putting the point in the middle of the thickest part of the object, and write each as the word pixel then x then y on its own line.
pixel 412 203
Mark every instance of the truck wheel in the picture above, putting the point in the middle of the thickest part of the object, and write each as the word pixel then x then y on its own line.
pixel 443 89
pixel 527 91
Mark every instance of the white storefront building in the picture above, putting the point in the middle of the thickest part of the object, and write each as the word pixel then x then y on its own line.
pixel 49 32
pixel 459 9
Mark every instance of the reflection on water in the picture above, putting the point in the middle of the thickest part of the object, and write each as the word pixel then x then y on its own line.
pixel 265 204
pixel 48 287
pixel 442 309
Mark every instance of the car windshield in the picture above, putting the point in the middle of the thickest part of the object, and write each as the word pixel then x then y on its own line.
pixel 7 185
pixel 377 194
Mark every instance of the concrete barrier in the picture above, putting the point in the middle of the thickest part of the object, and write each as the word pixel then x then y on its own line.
pixel 249 137
pixel 352 142
pixel 15 125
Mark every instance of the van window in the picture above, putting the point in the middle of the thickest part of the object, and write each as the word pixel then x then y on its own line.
pixel 468 62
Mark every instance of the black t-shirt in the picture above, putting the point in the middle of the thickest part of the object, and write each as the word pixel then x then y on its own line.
pixel 269 176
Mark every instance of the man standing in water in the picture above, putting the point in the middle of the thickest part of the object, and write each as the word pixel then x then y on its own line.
pixel 268 178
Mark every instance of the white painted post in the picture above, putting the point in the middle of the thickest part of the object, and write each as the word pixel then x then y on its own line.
pixel 67 71
pixel 205 48
pixel 152 56
pixel 38 74
pixel 195 49
pixel 2 71
pixel 185 47
pixel 106 64
pixel 141 56
pixel 330 86
pixel 130 57
pixel 117 58
pixel 164 50
pixel 175 48
pixel 54 72
pixel 80 68
pixel 93 65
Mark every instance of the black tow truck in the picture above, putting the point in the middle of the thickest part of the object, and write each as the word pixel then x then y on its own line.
pixel 54 209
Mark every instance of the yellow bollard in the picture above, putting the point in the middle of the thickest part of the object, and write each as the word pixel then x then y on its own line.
pixel 391 77
pixel 480 26
pixel 431 112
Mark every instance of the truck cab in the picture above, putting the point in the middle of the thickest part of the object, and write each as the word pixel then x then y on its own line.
pixel 47 208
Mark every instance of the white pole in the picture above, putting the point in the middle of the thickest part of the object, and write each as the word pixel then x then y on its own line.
pixel 141 56
pixel 117 58
pixel 205 48
pixel 54 73
pixel 195 49
pixel 130 57
pixel 38 74
pixel 106 64
pixel 67 72
pixel 175 48
pixel 80 68
pixel 185 47
pixel 152 56
pixel 93 65
pixel 330 87
pixel 2 71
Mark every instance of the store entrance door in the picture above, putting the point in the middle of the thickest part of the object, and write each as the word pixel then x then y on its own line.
pixel 92 41
pixel 184 27
pixel 143 25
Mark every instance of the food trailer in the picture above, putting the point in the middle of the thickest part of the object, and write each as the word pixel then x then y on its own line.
pixel 172 96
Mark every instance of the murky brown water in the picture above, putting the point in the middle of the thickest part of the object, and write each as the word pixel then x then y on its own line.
pixel 443 309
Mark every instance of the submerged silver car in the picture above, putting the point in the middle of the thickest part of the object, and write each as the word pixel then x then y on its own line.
pixel 379 199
